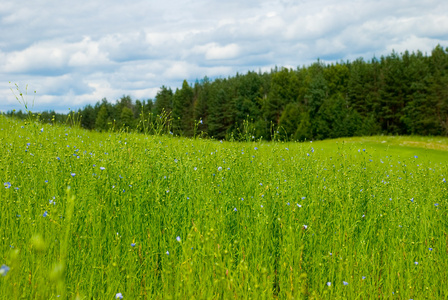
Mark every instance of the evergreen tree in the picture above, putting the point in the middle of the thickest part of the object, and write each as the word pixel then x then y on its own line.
pixel 183 110
pixel 163 101
pixel 102 119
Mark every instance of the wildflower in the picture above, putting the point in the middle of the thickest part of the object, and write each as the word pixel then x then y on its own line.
pixel 415 156
pixel 261 205
pixel 299 206
pixel 363 277
pixel 7 185
pixel 412 199
pixel 287 204
pixel 416 263
pixel 45 214
pixel 200 121
pixel 41 130
pixel 4 270
pixel 436 204
pixel 430 249
pixel 305 226
pixel 178 238
pixel 73 174
pixel 167 253
pixel 195 168
pixel 303 198
pixel 118 296
pixel 345 282
pixel 132 244
pixel 102 168
pixel 219 169
pixel 235 209
pixel 256 148
pixel 329 283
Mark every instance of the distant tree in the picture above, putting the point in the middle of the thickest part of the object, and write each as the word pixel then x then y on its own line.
pixel 102 119
pixel 163 101
pixel 183 110
pixel 127 118
pixel 88 117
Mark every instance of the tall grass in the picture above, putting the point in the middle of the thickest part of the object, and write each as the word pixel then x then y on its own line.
pixel 92 215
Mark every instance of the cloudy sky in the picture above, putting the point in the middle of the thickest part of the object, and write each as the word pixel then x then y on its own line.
pixel 73 53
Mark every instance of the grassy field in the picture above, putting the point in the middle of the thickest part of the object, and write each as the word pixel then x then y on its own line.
pixel 102 216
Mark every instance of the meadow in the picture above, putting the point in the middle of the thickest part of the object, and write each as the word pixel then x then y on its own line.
pixel 89 215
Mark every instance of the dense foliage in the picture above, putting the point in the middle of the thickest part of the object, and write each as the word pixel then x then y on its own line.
pixel 400 94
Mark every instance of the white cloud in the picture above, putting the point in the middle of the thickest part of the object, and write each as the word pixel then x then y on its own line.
pixel 213 51
pixel 78 54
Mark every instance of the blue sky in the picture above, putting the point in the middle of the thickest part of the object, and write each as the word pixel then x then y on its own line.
pixel 73 54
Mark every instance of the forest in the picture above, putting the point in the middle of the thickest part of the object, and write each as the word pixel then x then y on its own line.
pixel 397 94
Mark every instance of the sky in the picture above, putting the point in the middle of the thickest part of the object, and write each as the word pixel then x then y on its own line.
pixel 72 54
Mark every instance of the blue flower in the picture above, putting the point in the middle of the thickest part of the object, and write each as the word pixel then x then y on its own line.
pixel 102 168
pixel 363 277
pixel 219 169
pixel 416 263
pixel 305 226
pixel 178 238
pixel 167 253
pixel 329 283
pixel 7 185
pixel 345 282
pixel 73 174
pixel 45 214
pixel 436 204
pixel 4 270
pixel 132 244
pixel 430 249
pixel 235 209
pixel 118 296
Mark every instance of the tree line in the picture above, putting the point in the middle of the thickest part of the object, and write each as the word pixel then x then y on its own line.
pixel 398 94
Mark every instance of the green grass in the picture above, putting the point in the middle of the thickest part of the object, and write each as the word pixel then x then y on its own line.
pixel 181 218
